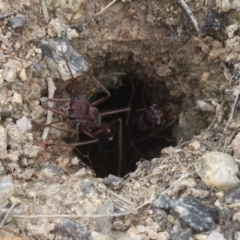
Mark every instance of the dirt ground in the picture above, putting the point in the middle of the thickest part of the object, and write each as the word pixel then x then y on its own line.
pixel 49 191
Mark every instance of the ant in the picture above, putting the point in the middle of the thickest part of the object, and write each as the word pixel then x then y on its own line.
pixel 150 121
pixel 87 116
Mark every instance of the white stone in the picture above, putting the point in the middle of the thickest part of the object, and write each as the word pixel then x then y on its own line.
pixel 100 236
pixel 23 75
pixel 27 174
pixel 224 5
pixel 30 151
pixel 3 143
pixel 195 145
pixel 6 186
pixel 215 236
pixel 11 68
pixel 75 161
pixel 24 124
pixel 15 138
pixel 231 29
pixel 17 99
pixel 217 170
pixel 235 4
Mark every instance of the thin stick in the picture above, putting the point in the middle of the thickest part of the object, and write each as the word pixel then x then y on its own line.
pixel 7 214
pixel 232 111
pixel 105 8
pixel 51 91
pixel 103 188
pixel 45 11
pixel 190 14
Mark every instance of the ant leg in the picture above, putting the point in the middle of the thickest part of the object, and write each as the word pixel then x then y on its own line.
pixel 78 144
pixel 108 113
pixel 120 144
pixel 102 100
pixel 73 145
pixel 130 103
pixel 44 103
pixel 100 85
pixel 74 81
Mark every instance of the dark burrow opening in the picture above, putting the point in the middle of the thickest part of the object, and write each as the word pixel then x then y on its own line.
pixel 139 140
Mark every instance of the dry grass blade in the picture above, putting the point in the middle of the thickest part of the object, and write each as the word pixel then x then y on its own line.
pixel 7 214
pixel 190 14
pixel 105 8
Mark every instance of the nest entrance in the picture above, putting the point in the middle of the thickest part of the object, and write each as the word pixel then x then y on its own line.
pixel 137 144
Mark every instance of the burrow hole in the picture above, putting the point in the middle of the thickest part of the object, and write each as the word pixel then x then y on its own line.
pixel 137 144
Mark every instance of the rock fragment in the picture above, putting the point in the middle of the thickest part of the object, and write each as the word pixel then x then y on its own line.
pixel 217 170
pixel 70 229
pixel 24 124
pixel 17 99
pixel 3 143
pixel 18 21
pixel 30 151
pixel 233 196
pixel 6 189
pixel 194 214
pixel 104 224
pixel 15 136
pixel 10 70
pixel 52 52
pixel 113 182
pixel 184 234
pixel 215 236
pixel 162 201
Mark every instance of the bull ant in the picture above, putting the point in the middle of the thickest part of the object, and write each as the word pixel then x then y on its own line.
pixel 87 116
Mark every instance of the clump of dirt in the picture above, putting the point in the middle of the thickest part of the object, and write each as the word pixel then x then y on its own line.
pixel 149 57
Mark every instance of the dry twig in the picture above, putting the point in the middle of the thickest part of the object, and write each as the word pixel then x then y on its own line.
pixel 7 214
pixel 237 92
pixel 51 91
pixel 45 11
pixel 103 188
pixel 190 14
pixel 105 8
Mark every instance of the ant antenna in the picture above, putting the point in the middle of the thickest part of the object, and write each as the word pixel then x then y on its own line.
pixel 74 82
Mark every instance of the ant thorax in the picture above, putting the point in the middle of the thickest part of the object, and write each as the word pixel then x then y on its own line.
pixel 94 118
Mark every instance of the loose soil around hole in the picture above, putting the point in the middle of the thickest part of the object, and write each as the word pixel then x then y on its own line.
pixel 130 37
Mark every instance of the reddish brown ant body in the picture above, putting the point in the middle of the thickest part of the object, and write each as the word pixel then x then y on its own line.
pixel 151 119
pixel 87 116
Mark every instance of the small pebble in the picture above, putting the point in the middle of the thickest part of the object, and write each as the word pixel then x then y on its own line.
pixel 23 75
pixel 18 21
pixel 215 236
pixel 195 145
pixel 17 99
pixel 75 161
pixel 217 170
pixel 24 124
